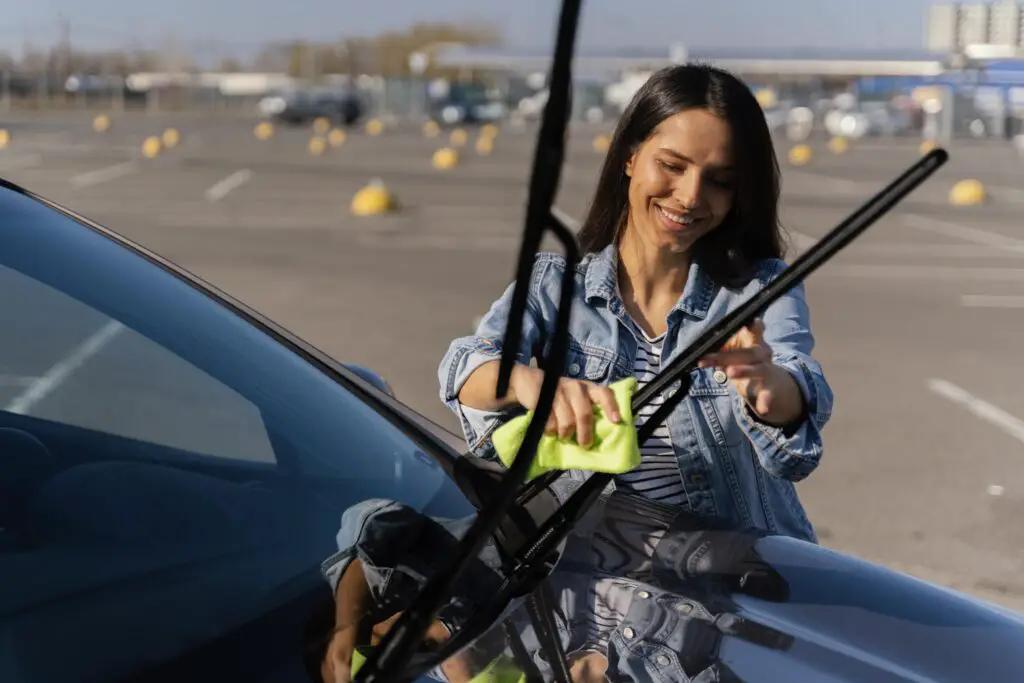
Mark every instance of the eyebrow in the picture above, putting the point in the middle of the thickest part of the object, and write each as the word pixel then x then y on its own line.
pixel 683 157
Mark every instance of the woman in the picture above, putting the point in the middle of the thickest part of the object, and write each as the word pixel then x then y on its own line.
pixel 683 227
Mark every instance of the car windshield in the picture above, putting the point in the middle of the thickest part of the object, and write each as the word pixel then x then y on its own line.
pixel 210 489
pixel 171 476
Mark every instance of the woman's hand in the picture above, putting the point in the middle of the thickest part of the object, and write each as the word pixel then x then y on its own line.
pixel 769 389
pixel 336 666
pixel 573 409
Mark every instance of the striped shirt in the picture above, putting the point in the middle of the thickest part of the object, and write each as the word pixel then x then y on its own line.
pixel 622 556
pixel 657 477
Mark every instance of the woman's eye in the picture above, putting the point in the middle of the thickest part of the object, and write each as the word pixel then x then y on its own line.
pixel 668 167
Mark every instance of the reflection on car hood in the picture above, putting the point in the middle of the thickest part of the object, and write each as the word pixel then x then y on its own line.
pixel 852 620
pixel 790 610
pixel 673 597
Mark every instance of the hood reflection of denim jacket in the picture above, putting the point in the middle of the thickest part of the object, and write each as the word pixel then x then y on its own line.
pixel 634 582
pixel 733 465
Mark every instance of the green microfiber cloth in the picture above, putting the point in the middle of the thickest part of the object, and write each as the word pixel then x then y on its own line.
pixel 500 670
pixel 614 448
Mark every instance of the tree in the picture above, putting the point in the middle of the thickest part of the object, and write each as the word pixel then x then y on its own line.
pixel 272 58
pixel 392 50
pixel 229 65
pixel 386 54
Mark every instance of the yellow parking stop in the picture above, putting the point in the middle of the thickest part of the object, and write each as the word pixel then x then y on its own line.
pixel 373 199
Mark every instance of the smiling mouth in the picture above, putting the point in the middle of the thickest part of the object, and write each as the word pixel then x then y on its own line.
pixel 679 221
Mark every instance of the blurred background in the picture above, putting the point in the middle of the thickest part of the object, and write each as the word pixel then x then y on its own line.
pixel 959 76
pixel 357 172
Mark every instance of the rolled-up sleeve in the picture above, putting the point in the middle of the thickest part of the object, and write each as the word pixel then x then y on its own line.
pixel 795 452
pixel 466 354
pixel 401 550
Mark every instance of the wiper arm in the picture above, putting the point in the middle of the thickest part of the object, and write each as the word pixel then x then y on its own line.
pixel 544 180
pixel 397 646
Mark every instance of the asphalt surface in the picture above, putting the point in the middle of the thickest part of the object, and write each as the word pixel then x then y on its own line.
pixel 918 323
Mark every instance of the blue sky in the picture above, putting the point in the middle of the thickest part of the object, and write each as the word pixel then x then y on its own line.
pixel 228 26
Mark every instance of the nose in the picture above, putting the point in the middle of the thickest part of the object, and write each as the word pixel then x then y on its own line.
pixel 689 188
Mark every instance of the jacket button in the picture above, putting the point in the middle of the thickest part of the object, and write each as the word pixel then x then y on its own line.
pixel 628 632
pixel 643 595
pixel 720 376
pixel 574 369
pixel 663 660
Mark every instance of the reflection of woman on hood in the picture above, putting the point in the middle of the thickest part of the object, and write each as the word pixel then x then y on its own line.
pixel 639 585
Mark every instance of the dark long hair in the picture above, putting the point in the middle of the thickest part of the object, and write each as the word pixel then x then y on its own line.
pixel 751 230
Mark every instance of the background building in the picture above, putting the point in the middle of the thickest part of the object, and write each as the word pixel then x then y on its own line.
pixel 959 26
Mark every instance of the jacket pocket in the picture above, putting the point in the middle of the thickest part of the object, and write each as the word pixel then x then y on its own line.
pixel 713 403
pixel 589 363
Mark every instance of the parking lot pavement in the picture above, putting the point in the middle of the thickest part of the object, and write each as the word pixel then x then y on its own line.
pixel 918 323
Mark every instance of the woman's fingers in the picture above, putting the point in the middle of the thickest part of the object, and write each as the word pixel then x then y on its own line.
pixel 752 335
pixel 564 416
pixel 605 397
pixel 573 410
pixel 583 412
pixel 757 371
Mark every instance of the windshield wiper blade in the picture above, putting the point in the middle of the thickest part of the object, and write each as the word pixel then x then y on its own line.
pixel 396 648
pixel 717 334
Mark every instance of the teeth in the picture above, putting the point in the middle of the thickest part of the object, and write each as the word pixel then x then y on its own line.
pixel 678 218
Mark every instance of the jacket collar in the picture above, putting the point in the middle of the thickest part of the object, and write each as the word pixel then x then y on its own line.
pixel 601 283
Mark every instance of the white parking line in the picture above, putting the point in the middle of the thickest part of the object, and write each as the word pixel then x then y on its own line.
pixel 830 183
pixel 981 409
pixel 941 250
pixel 569 221
pixel 963 232
pixel 1010 195
pixel 102 175
pixel 804 241
pixel 801 240
pixel 55 376
pixel 898 272
pixel 233 181
pixel 991 301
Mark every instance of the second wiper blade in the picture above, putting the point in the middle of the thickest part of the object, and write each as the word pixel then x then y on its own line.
pixel 717 334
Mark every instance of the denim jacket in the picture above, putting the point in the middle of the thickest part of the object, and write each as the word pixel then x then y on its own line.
pixel 733 465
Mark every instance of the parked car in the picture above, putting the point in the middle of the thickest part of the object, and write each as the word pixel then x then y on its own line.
pixel 174 469
pixel 341 107
pixel 466 105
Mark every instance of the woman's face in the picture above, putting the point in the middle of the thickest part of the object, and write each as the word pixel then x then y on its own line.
pixel 681 180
